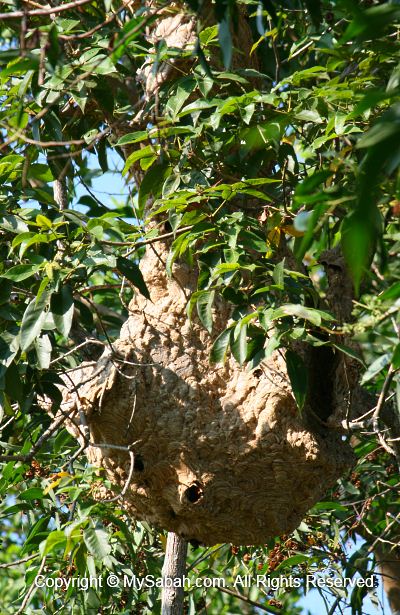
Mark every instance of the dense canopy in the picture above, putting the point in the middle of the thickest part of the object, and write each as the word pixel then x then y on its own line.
pixel 259 145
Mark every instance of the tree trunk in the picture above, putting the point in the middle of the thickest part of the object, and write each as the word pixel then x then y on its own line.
pixel 389 564
pixel 174 568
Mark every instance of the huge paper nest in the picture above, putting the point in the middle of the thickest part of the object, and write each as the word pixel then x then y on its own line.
pixel 215 453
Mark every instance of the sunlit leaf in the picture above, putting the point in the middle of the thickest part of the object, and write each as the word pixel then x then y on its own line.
pixel 33 320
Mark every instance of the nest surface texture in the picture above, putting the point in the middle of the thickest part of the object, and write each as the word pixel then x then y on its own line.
pixel 220 454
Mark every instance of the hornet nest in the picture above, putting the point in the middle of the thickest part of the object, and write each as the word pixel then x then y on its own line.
pixel 214 453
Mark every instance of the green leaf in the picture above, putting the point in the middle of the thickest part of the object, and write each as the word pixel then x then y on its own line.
pixel 13 383
pixel 220 347
pixel 396 358
pixel 20 272
pixel 37 530
pixel 386 129
pixel 102 155
pixel 204 308
pixel 53 47
pixel 40 172
pixel 225 40
pixel 13 224
pixel 102 65
pixel 223 268
pixel 292 561
pixel 145 152
pixel 252 241
pixel 349 351
pixel 239 345
pixel 391 293
pixel 43 351
pixel 9 346
pixel 314 9
pixel 151 185
pixel 176 102
pixel 67 25
pixel 297 373
pixel 208 34
pixel 359 235
pixel 20 66
pixel 308 185
pixel 329 506
pixel 37 238
pixel 198 50
pixel 54 539
pixel 97 542
pixel 34 493
pixel 371 23
pixel 278 274
pixel 146 162
pixel 131 271
pixel 62 308
pixel 376 367
pixel 309 115
pixel 33 319
pixel 133 137
pixel 306 221
pixel 296 309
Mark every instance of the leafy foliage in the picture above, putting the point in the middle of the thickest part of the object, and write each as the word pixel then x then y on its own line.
pixel 256 172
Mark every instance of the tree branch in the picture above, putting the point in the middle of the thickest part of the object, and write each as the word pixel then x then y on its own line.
pixel 146 242
pixel 60 193
pixel 31 590
pixel 261 607
pixel 20 561
pixel 43 438
pixel 174 568
pixel 45 11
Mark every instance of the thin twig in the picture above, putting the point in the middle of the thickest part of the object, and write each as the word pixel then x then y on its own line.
pixel 146 242
pixel 29 593
pixel 48 11
pixel 385 531
pixel 126 362
pixel 75 456
pixel 379 406
pixel 88 33
pixel 362 421
pixel 334 605
pixel 10 420
pixel 97 287
pixel 87 341
pixel 89 73
pixel 96 309
pixel 118 447
pixel 96 373
pixel 385 388
pixel 20 561
pixel 204 556
pixel 276 55
pixel 119 496
pixel 78 367
pixel 132 414
pixel 260 606
pixel 18 134
pixel 121 373
pixel 58 421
